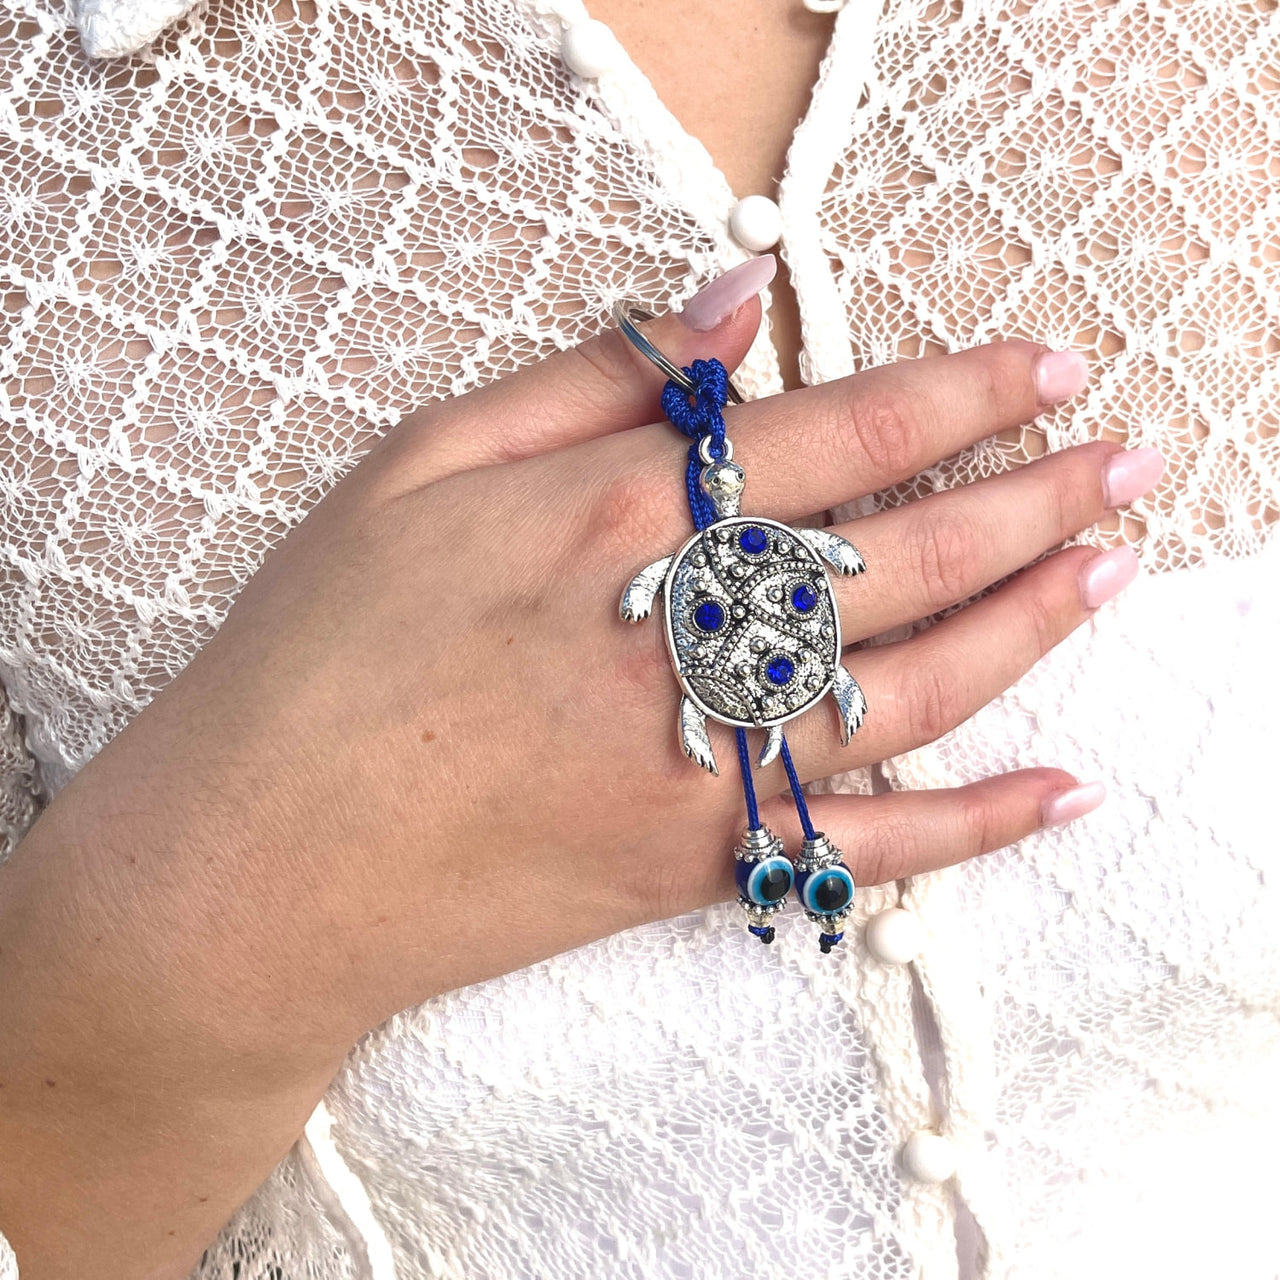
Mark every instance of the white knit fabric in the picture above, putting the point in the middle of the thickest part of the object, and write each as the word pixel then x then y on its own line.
pixel 237 257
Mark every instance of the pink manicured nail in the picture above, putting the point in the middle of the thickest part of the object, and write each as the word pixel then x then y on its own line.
pixel 1107 575
pixel 718 300
pixel 1130 474
pixel 1066 806
pixel 1059 375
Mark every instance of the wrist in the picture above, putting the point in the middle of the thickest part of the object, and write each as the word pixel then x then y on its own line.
pixel 162 921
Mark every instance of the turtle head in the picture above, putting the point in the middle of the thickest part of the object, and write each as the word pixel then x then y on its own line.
pixel 723 483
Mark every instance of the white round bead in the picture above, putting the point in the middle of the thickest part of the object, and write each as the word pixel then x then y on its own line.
pixel 895 936
pixel 756 223
pixel 928 1157
pixel 589 48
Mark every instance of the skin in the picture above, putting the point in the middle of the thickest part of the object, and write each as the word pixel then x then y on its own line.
pixel 423 715
pixel 423 750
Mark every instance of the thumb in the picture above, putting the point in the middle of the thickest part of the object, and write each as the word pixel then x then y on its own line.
pixel 600 386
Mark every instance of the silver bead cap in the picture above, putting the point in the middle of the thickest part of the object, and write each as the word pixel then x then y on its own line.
pixel 757 843
pixel 818 852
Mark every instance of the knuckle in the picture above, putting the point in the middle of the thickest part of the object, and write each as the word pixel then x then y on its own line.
pixel 1065 500
pixel 949 547
pixel 1005 382
pixel 976 825
pixel 1045 621
pixel 885 428
pixel 933 697
pixel 623 512
pixel 998 373
pixel 602 361
pixel 886 851
pixel 640 675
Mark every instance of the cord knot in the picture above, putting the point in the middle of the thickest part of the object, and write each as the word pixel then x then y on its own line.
pixel 700 416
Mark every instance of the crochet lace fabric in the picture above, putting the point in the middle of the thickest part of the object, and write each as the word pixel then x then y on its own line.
pixel 238 257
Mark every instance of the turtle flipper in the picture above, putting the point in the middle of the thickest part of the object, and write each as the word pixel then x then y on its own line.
pixel 637 599
pixel 849 698
pixel 841 554
pixel 693 737
pixel 773 745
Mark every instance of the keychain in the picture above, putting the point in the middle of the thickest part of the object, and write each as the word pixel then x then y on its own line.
pixel 754 636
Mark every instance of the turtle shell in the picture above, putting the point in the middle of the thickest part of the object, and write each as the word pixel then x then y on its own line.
pixel 752 623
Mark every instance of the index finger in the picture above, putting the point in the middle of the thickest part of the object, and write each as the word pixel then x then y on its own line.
pixel 817 447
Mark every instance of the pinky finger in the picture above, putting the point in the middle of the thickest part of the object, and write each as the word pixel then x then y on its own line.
pixel 906 833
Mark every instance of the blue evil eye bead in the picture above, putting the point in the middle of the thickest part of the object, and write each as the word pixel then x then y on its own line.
pixel 827 890
pixel 708 616
pixel 753 541
pixel 779 669
pixel 765 882
pixel 803 598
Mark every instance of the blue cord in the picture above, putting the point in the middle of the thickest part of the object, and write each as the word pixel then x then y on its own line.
pixel 696 415
pixel 801 807
pixel 748 784
pixel 700 415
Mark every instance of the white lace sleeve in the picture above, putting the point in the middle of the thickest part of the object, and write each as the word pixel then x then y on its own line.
pixel 20 800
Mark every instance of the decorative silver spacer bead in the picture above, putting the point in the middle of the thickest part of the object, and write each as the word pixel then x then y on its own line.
pixel 830 923
pixel 758 915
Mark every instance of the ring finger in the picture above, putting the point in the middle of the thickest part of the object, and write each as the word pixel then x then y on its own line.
pixel 928 555
pixel 921 688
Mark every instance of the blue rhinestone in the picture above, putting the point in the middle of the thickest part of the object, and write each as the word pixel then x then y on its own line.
pixel 780 670
pixel 753 541
pixel 803 598
pixel 709 616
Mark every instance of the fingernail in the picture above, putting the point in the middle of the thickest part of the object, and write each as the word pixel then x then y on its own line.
pixel 719 299
pixel 1107 575
pixel 1066 806
pixel 1130 474
pixel 1059 375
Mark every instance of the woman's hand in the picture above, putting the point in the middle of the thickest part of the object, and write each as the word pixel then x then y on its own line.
pixel 423 749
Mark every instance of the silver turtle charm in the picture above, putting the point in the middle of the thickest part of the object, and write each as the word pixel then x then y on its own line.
pixel 751 620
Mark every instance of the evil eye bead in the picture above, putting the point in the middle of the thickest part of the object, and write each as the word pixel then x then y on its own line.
pixel 804 599
pixel 753 541
pixel 708 616
pixel 827 890
pixel 765 882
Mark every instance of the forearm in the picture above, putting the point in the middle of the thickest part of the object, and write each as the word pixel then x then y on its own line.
pixel 160 1044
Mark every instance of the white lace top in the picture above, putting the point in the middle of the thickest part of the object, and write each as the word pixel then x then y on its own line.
pixel 236 257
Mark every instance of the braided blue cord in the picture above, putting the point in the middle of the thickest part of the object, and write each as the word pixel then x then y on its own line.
pixel 697 415
pixel 801 807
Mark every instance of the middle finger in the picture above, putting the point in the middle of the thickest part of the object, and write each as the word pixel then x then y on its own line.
pixel 817 447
